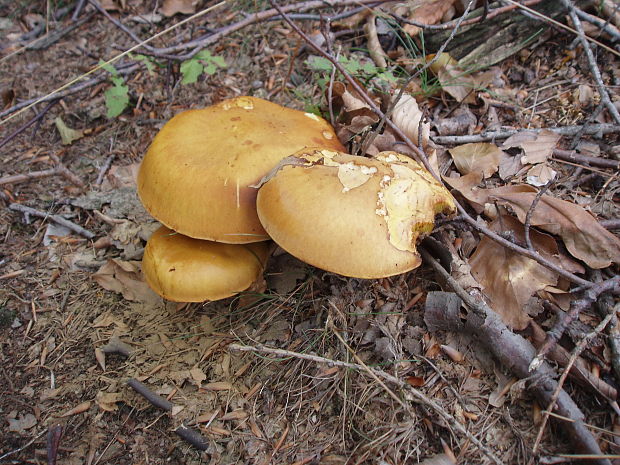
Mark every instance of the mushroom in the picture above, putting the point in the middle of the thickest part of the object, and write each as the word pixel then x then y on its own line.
pixel 183 269
pixel 196 176
pixel 355 216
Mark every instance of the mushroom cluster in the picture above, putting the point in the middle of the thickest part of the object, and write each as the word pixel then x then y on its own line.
pixel 226 178
pixel 196 179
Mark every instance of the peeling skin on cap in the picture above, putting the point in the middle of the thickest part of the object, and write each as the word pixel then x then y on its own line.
pixel 312 116
pixel 328 135
pixel 409 201
pixel 240 102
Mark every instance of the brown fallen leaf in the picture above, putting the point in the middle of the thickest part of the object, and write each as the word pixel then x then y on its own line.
pixel 468 187
pixel 409 119
pixel 582 234
pixel 126 279
pixel 509 278
pixel 537 147
pixel 482 157
pixel 172 7
pixel 107 400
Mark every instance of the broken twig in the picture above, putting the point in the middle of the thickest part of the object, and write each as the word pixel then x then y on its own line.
pixel 55 218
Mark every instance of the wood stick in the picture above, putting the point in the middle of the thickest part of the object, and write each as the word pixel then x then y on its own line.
pixel 55 218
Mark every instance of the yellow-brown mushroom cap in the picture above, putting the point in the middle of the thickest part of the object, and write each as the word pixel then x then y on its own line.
pixel 182 269
pixel 196 174
pixel 354 216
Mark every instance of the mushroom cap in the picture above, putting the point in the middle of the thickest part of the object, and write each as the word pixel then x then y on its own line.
pixel 355 216
pixel 183 269
pixel 196 176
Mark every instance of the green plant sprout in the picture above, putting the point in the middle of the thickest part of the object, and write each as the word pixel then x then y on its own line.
pixel 366 71
pixel 202 62
pixel 117 96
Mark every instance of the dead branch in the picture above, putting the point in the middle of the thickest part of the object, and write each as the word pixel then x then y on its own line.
pixel 571 155
pixel 591 295
pixel 596 130
pixel 28 211
pixel 155 399
pixel 579 372
pixel 416 395
pixel 603 25
pixel 511 350
pixel 198 44
pixel 21 129
pixel 193 437
pixel 556 393
pixel 610 224
pixel 187 434
pixel 478 18
pixel 596 73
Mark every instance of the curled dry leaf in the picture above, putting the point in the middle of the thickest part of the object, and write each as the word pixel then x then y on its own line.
pixel 172 7
pixel 537 147
pixel 409 119
pixel 374 46
pixel 509 278
pixel 582 234
pixel 479 157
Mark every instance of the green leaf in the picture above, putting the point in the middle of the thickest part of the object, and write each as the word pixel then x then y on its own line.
pixel 190 70
pixel 117 81
pixel 210 68
pixel 219 61
pixel 109 67
pixel 148 62
pixel 319 63
pixel 116 100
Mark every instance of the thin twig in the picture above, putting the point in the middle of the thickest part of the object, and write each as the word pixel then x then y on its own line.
pixel 591 294
pixel 489 136
pixel 55 218
pixel 596 73
pixel 556 393
pixel 104 169
pixel 603 25
pixel 24 447
pixel 66 91
pixel 36 118
pixel 530 212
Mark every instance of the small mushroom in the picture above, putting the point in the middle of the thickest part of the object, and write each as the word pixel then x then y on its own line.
pixel 183 269
pixel 355 216
pixel 196 176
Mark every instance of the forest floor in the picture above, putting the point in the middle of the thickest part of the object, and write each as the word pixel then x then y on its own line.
pixel 363 372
